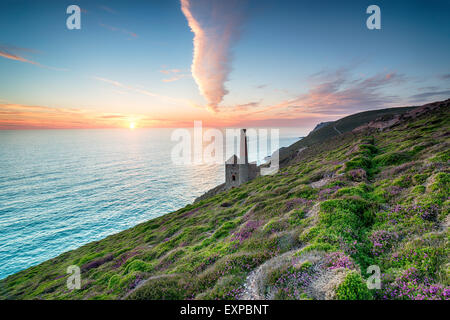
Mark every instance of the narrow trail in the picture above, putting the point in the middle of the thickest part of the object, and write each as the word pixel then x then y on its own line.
pixel 321 286
pixel 337 130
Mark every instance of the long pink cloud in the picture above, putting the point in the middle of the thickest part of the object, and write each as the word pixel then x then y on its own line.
pixel 16 57
pixel 4 52
pixel 215 25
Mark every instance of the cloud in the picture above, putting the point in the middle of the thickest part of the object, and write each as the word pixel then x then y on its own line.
pixel 115 29
pixel 339 92
pixel 445 76
pixel 215 25
pixel 142 91
pixel 108 9
pixel 176 75
pixel 445 94
pixel 17 116
pixel 246 106
pixel 170 71
pixel 7 52
pixel 330 94
pixel 175 78
pixel 15 57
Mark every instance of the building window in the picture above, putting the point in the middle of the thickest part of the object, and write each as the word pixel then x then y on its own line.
pixel 233 177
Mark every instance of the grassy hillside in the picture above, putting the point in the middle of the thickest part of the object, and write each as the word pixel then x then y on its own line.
pixel 335 128
pixel 310 231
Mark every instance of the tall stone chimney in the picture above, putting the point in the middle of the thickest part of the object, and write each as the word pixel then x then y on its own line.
pixel 243 147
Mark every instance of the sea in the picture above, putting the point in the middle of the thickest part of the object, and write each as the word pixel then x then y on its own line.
pixel 60 189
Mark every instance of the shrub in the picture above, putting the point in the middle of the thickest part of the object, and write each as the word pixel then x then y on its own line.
pixel 420 178
pixel 296 203
pixel 353 212
pixel 412 286
pixel 275 225
pixel 138 265
pixel 400 214
pixel 402 181
pixel 440 188
pixel 417 190
pixel 393 158
pixel 353 288
pixel 361 190
pixel 424 259
pixel 224 229
pixel 289 283
pixel 226 288
pixel 245 231
pixel 96 263
pixel 382 241
pixel 296 217
pixel 441 157
pixel 170 287
pixel 368 149
pixel 359 162
pixel 305 192
pixel 113 281
pixel 357 175
pixel 335 260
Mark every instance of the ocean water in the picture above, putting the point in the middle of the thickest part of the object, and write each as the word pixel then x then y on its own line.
pixel 60 189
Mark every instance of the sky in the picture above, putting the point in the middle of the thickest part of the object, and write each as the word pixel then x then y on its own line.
pixel 233 63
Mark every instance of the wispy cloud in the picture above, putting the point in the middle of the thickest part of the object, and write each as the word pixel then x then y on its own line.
pixel 142 91
pixel 17 58
pixel 170 71
pixel 115 29
pixel 331 94
pixel 421 97
pixel 215 25
pixel 175 78
pixel 10 53
pixel 176 74
pixel 107 9
pixel 17 116
pixel 341 92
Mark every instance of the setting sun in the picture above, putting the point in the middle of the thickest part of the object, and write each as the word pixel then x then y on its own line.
pixel 132 125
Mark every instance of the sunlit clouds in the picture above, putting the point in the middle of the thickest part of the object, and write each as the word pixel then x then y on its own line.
pixel 330 95
pixel 141 91
pixel 228 63
pixel 116 29
pixel 7 52
pixel 341 92
pixel 215 25
pixel 173 74
pixel 15 57
pixel 16 116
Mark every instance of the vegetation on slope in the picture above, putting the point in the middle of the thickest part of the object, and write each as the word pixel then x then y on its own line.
pixel 335 128
pixel 359 199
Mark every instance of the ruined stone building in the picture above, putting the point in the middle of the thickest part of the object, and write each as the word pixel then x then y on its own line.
pixel 238 170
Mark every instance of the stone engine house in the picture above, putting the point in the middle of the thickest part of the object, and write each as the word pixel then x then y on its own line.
pixel 237 170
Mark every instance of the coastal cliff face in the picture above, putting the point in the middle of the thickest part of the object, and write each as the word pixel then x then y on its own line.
pixel 377 197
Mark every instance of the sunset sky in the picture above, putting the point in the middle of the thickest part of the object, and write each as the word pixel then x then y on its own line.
pixel 229 63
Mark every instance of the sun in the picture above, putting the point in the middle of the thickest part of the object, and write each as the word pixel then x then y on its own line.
pixel 132 125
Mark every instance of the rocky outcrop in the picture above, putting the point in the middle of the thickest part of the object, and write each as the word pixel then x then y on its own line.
pixel 211 193
pixel 388 121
